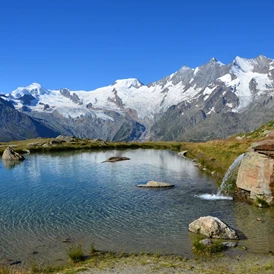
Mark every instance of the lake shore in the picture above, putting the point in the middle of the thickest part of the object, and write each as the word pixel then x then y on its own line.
pixel 213 157
pixel 234 261
pixel 209 155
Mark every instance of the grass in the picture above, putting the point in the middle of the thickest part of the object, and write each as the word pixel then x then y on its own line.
pixel 200 248
pixel 151 263
pixel 217 155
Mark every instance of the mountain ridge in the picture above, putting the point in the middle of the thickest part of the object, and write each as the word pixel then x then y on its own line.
pixel 163 110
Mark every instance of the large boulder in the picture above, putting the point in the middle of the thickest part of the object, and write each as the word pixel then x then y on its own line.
pixel 256 172
pixel 11 155
pixel 212 227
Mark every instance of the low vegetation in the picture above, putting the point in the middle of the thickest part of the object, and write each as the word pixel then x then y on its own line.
pixel 108 262
pixel 75 253
pixel 199 247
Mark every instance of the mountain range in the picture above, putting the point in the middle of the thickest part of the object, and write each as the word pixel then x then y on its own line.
pixel 212 101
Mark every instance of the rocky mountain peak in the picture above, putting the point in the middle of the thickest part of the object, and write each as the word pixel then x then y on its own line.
pixel 260 64
pixel 33 89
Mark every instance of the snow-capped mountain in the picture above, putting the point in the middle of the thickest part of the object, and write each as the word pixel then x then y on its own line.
pixel 168 109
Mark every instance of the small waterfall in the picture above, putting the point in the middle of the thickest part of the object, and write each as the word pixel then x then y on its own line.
pixel 226 177
pixel 219 195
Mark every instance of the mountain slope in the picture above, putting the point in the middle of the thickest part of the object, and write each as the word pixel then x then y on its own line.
pixel 16 126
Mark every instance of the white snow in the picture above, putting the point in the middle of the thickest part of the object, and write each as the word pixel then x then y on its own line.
pixel 127 83
pixel 211 110
pixel 220 63
pixel 207 92
pixel 147 101
pixel 34 89
pixel 242 64
pixel 196 71
pixel 242 82
pixel 226 78
pixel 72 113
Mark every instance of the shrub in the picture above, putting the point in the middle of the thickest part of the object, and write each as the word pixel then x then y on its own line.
pixel 75 253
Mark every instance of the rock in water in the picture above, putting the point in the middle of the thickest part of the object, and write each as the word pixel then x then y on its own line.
pixel 212 227
pixel 153 184
pixel 116 159
pixel 183 153
pixel 11 155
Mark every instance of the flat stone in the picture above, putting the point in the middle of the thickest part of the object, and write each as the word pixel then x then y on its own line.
pixel 153 184
pixel 116 159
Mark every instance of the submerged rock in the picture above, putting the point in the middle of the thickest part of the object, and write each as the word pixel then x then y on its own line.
pixel 10 155
pixel 116 159
pixel 153 184
pixel 212 227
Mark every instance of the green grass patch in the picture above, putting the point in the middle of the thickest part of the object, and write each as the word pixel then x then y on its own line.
pixel 215 247
pixel 75 253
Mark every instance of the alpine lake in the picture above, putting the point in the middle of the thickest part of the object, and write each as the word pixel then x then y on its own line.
pixel 50 201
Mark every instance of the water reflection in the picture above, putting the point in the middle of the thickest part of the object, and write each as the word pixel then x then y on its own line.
pixel 9 164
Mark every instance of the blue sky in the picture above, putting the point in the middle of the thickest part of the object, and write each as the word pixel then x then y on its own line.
pixel 85 44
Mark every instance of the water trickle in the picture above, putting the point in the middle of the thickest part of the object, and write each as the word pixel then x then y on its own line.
pixel 220 193
pixel 228 173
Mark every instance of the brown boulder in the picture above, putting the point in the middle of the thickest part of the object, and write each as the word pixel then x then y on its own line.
pixel 266 145
pixel 256 174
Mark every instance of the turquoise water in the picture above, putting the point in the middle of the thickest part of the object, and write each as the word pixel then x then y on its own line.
pixel 53 197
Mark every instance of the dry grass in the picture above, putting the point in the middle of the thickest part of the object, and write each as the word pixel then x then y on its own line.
pixel 216 156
